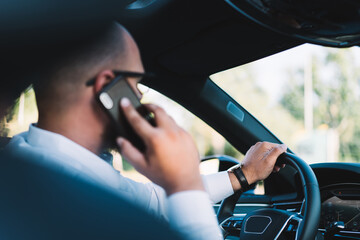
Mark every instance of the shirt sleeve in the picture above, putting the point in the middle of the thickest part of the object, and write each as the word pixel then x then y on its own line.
pixel 157 204
pixel 218 186
pixel 191 214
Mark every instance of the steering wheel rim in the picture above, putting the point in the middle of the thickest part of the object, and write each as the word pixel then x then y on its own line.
pixel 308 224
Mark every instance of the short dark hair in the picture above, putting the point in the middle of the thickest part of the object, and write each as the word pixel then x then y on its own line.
pixel 76 63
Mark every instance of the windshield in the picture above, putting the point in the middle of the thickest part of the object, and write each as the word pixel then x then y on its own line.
pixel 308 96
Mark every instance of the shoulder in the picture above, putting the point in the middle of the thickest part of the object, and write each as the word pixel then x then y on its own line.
pixel 16 143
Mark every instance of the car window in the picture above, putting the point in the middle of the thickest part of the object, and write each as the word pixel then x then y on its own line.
pixel 308 96
pixel 208 141
pixel 22 113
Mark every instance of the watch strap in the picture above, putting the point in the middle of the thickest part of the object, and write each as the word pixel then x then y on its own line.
pixel 239 174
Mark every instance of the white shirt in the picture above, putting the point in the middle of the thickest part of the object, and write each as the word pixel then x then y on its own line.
pixel 189 212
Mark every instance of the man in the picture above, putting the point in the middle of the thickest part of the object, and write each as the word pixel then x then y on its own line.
pixel 73 130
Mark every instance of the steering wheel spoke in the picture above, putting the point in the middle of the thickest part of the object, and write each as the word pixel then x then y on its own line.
pixel 290 228
pixel 232 225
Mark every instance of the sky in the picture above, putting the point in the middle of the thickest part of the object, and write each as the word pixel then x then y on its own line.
pixel 275 67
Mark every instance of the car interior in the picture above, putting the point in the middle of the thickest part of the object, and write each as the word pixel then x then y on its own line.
pixel 183 43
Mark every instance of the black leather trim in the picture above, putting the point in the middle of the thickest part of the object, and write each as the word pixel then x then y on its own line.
pixel 312 205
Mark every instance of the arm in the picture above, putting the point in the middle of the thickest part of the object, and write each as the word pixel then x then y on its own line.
pixel 172 161
pixel 257 165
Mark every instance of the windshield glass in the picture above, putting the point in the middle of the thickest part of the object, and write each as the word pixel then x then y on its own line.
pixel 308 96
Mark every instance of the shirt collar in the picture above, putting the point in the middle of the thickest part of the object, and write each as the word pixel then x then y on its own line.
pixel 41 138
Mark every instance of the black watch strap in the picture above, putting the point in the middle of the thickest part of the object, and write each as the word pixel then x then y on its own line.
pixel 239 174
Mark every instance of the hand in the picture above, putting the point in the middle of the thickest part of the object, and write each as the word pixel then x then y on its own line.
pixel 171 159
pixel 259 162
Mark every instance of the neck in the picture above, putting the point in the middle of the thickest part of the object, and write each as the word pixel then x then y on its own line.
pixel 76 126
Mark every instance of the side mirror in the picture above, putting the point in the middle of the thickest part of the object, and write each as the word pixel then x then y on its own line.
pixel 217 163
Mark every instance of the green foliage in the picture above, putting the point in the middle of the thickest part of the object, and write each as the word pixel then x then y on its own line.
pixel 4 131
pixel 336 99
pixel 209 150
pixel 231 151
pixel 10 125
pixel 241 84
pixel 126 165
pixel 291 99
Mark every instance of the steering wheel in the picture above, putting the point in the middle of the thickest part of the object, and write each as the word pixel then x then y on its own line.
pixel 270 223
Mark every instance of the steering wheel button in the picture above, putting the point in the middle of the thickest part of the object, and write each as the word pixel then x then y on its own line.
pixel 226 224
pixel 290 228
pixel 237 224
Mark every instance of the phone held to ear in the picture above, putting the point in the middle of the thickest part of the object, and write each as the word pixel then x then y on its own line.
pixel 109 98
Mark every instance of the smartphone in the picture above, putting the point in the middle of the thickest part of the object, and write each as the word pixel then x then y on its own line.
pixel 109 98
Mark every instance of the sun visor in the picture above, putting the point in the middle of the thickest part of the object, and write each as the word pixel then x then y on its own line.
pixel 334 23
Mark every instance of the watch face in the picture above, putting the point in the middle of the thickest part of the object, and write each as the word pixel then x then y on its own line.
pixel 235 167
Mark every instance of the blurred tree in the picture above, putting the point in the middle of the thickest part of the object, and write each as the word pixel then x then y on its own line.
pixel 4 131
pixel 290 100
pixel 11 125
pixel 336 94
pixel 231 151
pixel 209 150
pixel 126 165
pixel 241 84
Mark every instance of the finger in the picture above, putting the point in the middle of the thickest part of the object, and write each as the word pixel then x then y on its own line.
pixel 140 125
pixel 276 151
pixel 280 166
pixel 251 148
pixel 131 154
pixel 258 144
pixel 269 145
pixel 276 168
pixel 161 117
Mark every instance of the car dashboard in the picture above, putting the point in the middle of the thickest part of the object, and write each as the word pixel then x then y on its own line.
pixel 341 205
pixel 340 198
pixel 339 185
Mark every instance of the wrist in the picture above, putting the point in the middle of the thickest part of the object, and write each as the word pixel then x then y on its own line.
pixel 239 178
pixel 234 181
pixel 248 175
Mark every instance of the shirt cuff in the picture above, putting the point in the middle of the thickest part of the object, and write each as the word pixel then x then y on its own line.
pixel 191 214
pixel 218 186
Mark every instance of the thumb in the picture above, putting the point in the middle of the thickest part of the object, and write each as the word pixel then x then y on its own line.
pixel 131 154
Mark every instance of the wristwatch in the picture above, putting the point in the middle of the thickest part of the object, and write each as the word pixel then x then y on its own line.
pixel 240 177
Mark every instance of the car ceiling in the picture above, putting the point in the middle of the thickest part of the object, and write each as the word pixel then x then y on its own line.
pixel 184 42
pixel 177 38
pixel 181 40
pixel 198 38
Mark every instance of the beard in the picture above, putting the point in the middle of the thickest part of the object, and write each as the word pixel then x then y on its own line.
pixel 109 137
pixel 109 133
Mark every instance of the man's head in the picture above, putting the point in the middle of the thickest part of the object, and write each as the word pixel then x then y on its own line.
pixel 69 107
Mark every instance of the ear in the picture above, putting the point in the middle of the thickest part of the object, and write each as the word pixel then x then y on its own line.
pixel 102 79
